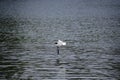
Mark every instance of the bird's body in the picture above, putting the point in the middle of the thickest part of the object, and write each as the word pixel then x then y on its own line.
pixel 60 43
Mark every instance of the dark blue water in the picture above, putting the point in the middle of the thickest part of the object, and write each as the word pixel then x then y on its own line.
pixel 29 29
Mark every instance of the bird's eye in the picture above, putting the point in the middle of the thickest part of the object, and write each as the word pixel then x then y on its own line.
pixel 55 42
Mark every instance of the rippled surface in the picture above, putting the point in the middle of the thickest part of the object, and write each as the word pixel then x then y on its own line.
pixel 28 52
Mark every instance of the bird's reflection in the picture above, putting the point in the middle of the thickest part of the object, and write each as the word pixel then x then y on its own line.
pixel 57 62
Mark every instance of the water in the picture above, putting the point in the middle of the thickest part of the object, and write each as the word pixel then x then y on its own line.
pixel 27 41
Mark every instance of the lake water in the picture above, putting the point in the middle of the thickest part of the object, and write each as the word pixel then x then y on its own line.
pixel 29 29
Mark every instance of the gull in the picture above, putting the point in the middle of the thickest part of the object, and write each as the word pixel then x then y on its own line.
pixel 58 44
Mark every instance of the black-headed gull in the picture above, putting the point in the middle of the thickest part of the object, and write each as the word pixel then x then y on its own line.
pixel 58 44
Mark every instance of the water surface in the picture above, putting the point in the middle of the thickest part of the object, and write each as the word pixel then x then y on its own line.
pixel 29 30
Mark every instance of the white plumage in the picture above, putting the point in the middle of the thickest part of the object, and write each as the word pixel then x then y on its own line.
pixel 60 43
